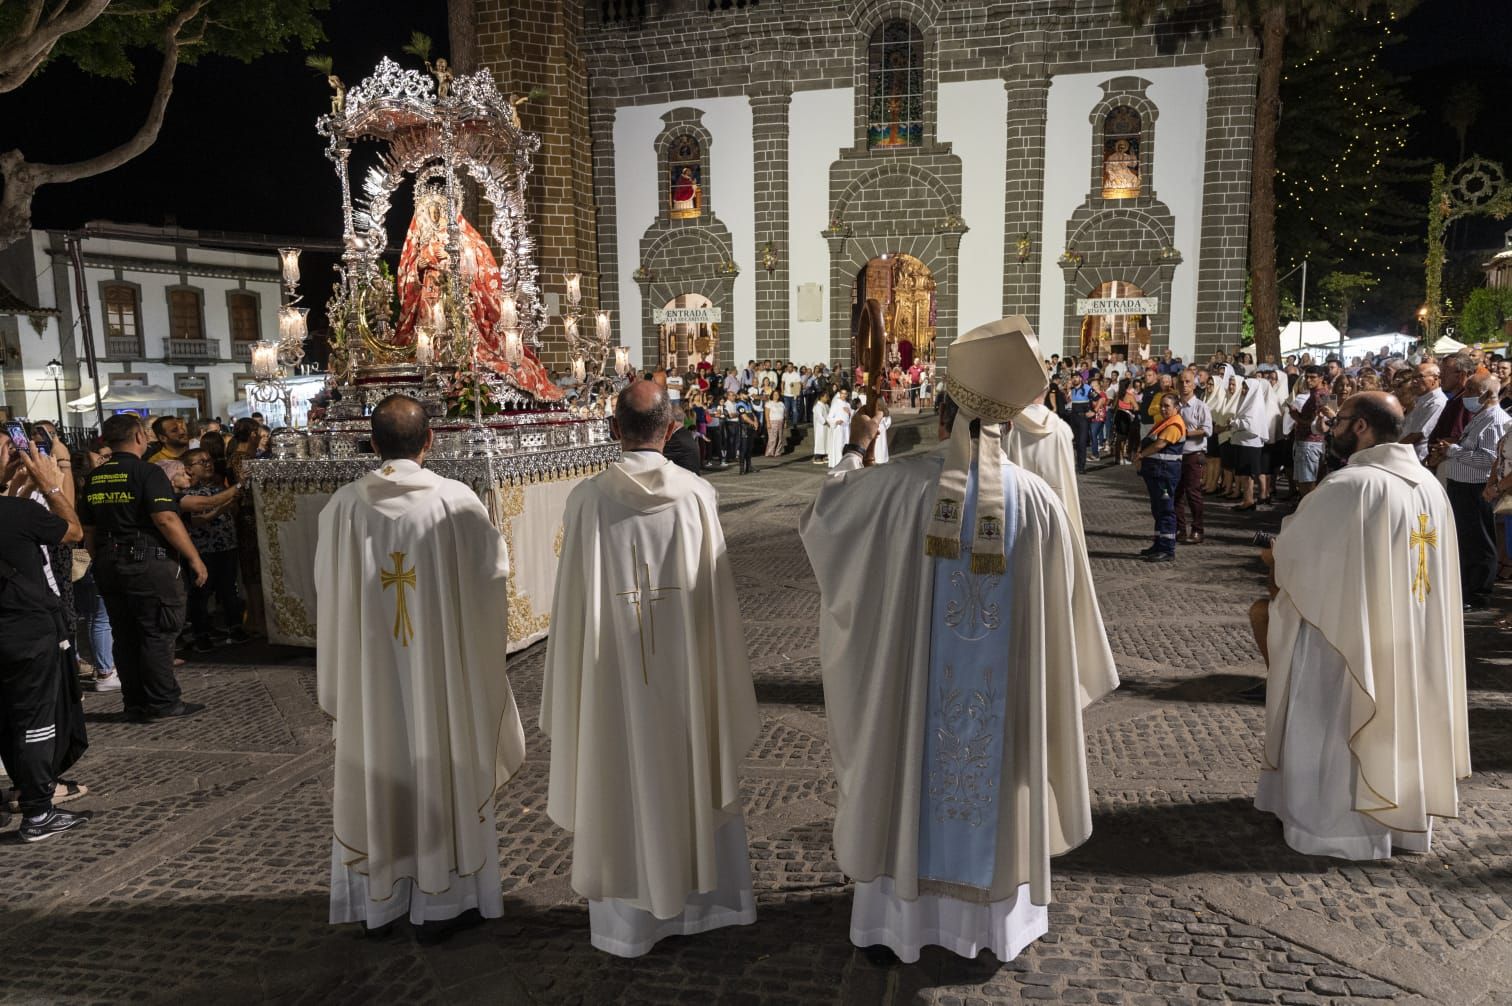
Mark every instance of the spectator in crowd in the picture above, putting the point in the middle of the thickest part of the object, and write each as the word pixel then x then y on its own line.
pixel 777 409
pixel 93 636
pixel 1308 435
pixel 682 446
pixel 1126 422
pixel 41 725
pixel 210 507
pixel 1427 405
pixel 1080 398
pixel 132 527
pixel 1250 429
pixel 1454 370
pixel 1470 460
pixel 172 438
pixel 1198 421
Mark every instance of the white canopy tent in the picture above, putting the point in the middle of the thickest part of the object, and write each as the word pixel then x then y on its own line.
pixel 1299 335
pixel 1446 344
pixel 135 398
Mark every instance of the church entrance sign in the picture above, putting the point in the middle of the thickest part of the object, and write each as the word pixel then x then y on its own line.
pixel 1117 305
pixel 686 315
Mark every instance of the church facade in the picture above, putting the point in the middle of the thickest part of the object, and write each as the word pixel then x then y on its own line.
pixel 759 171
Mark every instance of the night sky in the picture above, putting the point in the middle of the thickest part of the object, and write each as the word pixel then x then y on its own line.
pixel 239 152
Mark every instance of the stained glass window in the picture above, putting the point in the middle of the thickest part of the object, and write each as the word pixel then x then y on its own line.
pixel 1121 135
pixel 895 86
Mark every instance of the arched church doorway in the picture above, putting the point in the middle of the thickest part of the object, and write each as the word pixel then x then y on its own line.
pixel 905 288
pixel 689 337
pixel 1128 334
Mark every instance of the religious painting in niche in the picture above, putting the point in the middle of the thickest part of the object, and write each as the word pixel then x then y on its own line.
pixel 1128 334
pixel 1120 172
pixel 895 86
pixel 685 178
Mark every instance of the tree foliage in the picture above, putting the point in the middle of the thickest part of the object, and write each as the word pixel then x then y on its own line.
pixel 1272 22
pixel 1485 315
pixel 106 38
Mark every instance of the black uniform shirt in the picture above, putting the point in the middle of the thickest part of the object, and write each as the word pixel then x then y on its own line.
pixel 121 495
pixel 24 525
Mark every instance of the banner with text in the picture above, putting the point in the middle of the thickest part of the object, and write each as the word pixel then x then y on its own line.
pixel 1117 305
pixel 686 315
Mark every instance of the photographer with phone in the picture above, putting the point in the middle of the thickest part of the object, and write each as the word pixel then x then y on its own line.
pixel 133 530
pixel 37 739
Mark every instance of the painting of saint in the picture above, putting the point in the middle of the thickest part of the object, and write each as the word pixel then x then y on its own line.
pixel 686 192
pixel 424 266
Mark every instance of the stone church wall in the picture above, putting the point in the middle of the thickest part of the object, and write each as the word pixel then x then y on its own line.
pixel 1011 92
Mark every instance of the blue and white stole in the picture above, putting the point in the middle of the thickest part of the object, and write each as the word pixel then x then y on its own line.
pixel 966 717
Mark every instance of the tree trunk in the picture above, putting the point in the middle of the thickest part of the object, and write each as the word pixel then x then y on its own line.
pixel 23 178
pixel 1263 291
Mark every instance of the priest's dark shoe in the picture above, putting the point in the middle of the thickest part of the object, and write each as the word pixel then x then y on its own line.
pixel 428 934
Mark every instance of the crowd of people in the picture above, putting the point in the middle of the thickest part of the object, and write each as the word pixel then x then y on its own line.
pixel 130 548
pixel 760 410
pixel 1258 436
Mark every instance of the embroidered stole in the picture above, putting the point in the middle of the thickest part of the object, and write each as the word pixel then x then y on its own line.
pixel 966 717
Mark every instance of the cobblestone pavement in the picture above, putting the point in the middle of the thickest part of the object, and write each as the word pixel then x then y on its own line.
pixel 204 872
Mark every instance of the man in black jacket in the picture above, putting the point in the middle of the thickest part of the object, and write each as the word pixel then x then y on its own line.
pixel 682 446
pixel 33 637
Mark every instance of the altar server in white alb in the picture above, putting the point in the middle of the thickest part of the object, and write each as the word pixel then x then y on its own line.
pixel 1365 718
pixel 954 670
pixel 648 698
pixel 411 582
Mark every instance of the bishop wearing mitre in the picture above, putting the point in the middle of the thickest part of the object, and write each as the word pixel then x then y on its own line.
pixel 411 581
pixel 954 671
pixel 1366 729
pixel 648 698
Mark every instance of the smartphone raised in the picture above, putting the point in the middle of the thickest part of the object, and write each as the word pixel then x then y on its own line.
pixel 41 438
pixel 16 430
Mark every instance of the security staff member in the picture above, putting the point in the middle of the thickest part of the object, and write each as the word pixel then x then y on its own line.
pixel 132 527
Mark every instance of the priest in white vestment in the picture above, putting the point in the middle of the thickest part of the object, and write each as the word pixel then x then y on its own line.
pixel 648 698
pixel 1365 719
pixel 1043 443
pixel 957 650
pixel 839 421
pixel 412 587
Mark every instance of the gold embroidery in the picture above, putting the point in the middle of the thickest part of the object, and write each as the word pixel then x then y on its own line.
pixel 399 578
pixel 977 404
pixel 277 505
pixel 637 596
pixel 1422 539
pixel 556 544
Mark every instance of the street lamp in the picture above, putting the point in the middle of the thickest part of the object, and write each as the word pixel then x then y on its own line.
pixel 54 369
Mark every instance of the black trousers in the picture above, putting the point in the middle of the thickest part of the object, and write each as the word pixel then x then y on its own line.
pixel 1474 524
pixel 145 601
pixel 1189 491
pixel 223 568
pixel 31 684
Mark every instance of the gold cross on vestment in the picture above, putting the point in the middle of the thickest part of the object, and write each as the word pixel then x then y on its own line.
pixel 1422 539
pixel 643 593
pixel 399 578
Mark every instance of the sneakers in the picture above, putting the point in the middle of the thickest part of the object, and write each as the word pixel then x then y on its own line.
pixel 107 682
pixel 54 822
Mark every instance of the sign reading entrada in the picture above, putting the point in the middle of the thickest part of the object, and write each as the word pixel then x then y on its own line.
pixel 1117 305
pixel 686 315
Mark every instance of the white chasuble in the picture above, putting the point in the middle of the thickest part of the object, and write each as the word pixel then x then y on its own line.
pixel 954 706
pixel 412 587
pixel 1043 443
pixel 649 705
pixel 821 429
pixel 1367 663
pixel 839 429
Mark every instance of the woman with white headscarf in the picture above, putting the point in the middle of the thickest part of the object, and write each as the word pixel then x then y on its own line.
pixel 1219 402
pixel 1250 431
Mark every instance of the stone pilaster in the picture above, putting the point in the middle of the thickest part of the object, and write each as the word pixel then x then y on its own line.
pixel 601 132
pixel 1225 204
pixel 769 109
pixel 1023 206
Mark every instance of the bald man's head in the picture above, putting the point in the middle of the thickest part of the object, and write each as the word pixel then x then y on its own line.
pixel 1380 412
pixel 400 430
pixel 643 416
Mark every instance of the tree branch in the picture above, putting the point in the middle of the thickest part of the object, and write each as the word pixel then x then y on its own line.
pixel 20 56
pixel 23 178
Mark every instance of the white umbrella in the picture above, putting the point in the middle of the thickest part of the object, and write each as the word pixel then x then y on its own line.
pixel 137 397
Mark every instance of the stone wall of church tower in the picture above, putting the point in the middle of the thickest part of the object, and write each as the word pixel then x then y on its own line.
pixel 533 45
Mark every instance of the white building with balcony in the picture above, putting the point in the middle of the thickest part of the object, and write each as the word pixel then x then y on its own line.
pixel 167 307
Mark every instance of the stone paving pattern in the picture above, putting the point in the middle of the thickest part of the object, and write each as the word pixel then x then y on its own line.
pixel 204 872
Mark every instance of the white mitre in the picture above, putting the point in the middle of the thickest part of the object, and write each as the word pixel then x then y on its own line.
pixel 995 371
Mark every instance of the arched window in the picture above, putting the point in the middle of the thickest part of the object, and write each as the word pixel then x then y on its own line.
pixel 1120 171
pixel 895 86
pixel 685 178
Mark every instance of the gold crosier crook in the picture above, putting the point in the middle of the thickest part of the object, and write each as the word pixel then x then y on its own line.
pixel 871 349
